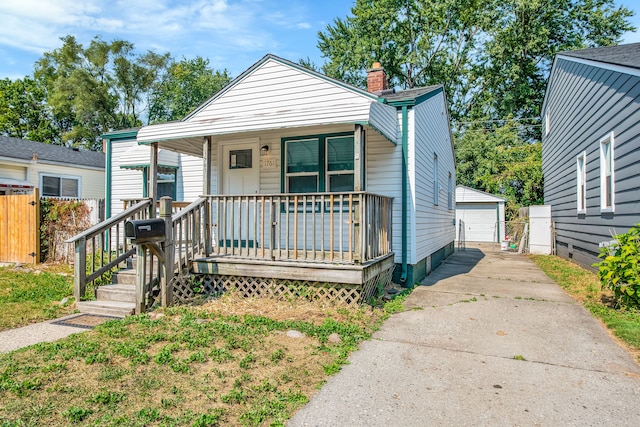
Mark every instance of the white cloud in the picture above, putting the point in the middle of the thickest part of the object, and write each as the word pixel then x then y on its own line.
pixel 303 26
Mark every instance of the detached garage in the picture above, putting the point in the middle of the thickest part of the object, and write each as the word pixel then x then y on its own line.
pixel 479 216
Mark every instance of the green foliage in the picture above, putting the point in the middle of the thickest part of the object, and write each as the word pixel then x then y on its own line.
pixel 23 111
pixel 77 414
pixel 186 84
pixel 64 217
pixel 620 268
pixel 497 160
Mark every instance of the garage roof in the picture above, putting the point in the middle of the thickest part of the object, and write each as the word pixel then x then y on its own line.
pixel 469 195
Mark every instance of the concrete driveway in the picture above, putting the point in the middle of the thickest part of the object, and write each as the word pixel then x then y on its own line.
pixel 490 340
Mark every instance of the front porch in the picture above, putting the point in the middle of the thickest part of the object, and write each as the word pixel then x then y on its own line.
pixel 335 246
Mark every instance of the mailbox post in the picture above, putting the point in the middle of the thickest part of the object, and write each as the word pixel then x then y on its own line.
pixel 167 268
pixel 145 234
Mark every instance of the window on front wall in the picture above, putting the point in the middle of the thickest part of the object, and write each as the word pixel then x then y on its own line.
pixel 319 163
pixel 581 179
pixel 607 173
pixel 60 186
pixel 166 183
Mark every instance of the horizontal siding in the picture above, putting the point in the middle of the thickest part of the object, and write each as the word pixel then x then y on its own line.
pixel 91 180
pixel 384 176
pixel 125 183
pixel 434 224
pixel 13 171
pixel 585 104
pixel 189 178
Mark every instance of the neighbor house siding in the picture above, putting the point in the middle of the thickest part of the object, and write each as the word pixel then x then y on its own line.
pixel 125 183
pixel 585 104
pixel 12 171
pixel 433 224
pixel 91 184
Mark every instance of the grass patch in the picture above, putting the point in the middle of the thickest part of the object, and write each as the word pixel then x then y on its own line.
pixel 227 362
pixel 33 294
pixel 585 287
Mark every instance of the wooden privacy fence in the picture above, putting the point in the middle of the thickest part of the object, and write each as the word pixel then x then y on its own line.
pixel 20 228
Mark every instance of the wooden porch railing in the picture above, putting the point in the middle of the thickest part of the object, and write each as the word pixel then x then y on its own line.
pixel 346 228
pixel 104 247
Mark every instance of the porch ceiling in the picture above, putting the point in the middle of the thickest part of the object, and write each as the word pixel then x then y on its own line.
pixel 186 136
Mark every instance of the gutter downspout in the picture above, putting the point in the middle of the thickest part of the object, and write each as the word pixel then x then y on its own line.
pixel 405 161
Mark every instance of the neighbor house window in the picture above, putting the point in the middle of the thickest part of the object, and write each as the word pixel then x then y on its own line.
pixel 581 174
pixel 607 174
pixel 435 179
pixel 60 186
pixel 449 192
pixel 318 163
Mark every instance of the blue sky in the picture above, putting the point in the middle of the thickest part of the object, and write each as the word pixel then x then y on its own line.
pixel 232 34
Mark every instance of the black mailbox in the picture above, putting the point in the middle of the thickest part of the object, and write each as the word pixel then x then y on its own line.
pixel 145 230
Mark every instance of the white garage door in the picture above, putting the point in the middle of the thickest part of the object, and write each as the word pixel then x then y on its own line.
pixel 479 221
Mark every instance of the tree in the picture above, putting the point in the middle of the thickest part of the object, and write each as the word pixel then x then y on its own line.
pixel 419 43
pixel 513 66
pixel 497 160
pixel 96 89
pixel 492 56
pixel 187 84
pixel 24 113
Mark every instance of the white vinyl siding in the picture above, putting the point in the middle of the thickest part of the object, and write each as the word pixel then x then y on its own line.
pixel 607 174
pixel 91 179
pixel 433 226
pixel 581 182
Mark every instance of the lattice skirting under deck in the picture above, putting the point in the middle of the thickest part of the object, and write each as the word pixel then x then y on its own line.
pixel 188 287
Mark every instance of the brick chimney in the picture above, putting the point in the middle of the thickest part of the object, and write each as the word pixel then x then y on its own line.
pixel 376 79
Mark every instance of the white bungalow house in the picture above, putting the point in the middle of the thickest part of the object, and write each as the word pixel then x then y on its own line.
pixel 304 177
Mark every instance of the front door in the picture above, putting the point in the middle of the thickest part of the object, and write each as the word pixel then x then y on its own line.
pixel 240 173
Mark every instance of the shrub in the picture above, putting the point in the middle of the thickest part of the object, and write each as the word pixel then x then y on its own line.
pixel 620 268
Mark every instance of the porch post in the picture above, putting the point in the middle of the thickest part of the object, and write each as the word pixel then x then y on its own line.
pixel 166 290
pixel 152 191
pixel 358 158
pixel 206 190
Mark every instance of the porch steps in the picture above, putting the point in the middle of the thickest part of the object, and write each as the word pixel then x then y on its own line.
pixel 106 308
pixel 118 299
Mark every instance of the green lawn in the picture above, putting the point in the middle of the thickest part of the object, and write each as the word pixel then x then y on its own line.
pixel 585 287
pixel 228 362
pixel 33 294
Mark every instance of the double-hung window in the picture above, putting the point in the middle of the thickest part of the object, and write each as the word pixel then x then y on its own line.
pixel 60 186
pixel 318 163
pixel 581 180
pixel 607 174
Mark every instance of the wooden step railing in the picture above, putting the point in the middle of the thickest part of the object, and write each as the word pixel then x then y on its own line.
pixel 102 248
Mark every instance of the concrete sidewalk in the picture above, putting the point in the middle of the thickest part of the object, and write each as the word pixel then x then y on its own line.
pixel 13 339
pixel 454 357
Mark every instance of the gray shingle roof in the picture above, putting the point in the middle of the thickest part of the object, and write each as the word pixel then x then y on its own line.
pixel 25 150
pixel 408 94
pixel 627 55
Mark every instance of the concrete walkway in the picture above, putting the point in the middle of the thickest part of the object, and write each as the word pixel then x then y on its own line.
pixel 454 358
pixel 13 339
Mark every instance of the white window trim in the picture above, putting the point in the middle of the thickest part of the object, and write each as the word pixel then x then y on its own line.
pixel 547 122
pixel 56 175
pixel 581 180
pixel 607 139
